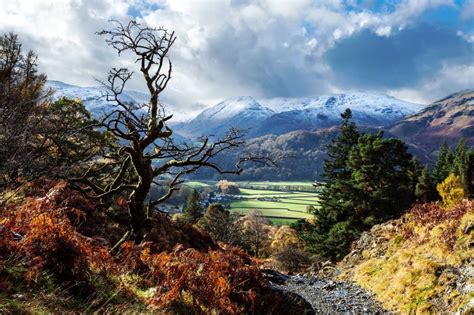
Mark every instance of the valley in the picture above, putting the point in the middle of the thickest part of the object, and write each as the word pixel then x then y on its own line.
pixel 279 202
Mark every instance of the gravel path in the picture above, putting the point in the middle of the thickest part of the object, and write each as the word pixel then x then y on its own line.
pixel 328 296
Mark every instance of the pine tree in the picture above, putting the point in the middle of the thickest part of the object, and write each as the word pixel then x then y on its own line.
pixel 368 179
pixel 381 183
pixel 193 211
pixel 337 176
pixel 470 172
pixel 425 189
pixel 461 163
pixel 443 164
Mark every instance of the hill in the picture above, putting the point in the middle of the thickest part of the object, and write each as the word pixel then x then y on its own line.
pixel 447 119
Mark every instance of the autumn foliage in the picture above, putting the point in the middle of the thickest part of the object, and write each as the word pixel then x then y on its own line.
pixel 187 275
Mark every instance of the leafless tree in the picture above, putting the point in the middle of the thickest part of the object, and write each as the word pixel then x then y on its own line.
pixel 147 153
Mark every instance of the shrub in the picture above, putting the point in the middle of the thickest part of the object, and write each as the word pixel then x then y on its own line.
pixel 292 258
pixel 451 190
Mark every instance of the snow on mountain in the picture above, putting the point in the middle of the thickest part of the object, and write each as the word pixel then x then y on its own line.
pixel 281 115
pixel 97 105
pixel 241 112
pixel 333 104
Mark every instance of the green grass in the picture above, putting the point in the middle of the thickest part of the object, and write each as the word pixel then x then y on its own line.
pixel 196 184
pixel 289 206
pixel 308 184
pixel 280 221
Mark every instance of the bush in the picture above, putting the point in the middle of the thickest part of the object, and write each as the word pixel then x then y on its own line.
pixel 291 258
pixel 451 190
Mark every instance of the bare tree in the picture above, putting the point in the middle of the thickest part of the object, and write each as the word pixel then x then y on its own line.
pixel 147 153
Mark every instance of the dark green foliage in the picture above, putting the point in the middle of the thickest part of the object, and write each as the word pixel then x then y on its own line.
pixel 460 162
pixel 470 172
pixel 380 178
pixel 193 210
pixel 444 164
pixel 368 179
pixel 425 189
pixel 39 137
pixel 21 97
pixel 462 165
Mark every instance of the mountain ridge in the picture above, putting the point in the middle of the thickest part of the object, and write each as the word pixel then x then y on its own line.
pixel 281 115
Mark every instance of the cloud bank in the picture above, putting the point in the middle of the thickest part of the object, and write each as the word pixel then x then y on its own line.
pixel 418 50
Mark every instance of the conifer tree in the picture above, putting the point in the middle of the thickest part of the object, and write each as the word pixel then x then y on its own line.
pixel 460 165
pixel 368 179
pixel 193 210
pixel 337 175
pixel 443 164
pixel 381 183
pixel 425 189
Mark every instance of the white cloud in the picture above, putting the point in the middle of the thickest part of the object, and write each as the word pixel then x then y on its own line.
pixel 224 47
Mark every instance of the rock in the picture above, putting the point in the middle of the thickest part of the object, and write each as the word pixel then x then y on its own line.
pixel 329 296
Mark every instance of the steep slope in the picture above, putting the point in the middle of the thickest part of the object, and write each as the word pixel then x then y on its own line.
pixel 282 115
pixel 241 112
pixel 447 119
pixel 426 256
pixel 91 96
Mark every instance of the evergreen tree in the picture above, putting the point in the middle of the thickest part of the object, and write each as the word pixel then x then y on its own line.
pixel 443 164
pixel 470 172
pixel 368 179
pixel 381 183
pixel 460 165
pixel 425 189
pixel 337 176
pixel 193 210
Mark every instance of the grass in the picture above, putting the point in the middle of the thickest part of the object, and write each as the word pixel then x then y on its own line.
pixel 264 183
pixel 289 202
pixel 196 184
pixel 415 267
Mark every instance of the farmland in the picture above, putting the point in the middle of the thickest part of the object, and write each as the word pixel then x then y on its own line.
pixel 280 202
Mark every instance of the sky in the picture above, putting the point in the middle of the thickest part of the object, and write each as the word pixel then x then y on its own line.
pixel 416 50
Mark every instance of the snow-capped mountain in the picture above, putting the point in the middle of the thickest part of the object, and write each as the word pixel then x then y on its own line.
pixel 281 115
pixel 97 105
pixel 242 112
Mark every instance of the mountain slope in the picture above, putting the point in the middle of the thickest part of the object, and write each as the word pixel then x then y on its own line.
pixel 241 112
pixel 281 115
pixel 447 119
pixel 91 97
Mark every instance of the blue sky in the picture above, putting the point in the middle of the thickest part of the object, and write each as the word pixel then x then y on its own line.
pixel 417 50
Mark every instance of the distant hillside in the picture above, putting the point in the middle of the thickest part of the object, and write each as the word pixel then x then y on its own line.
pixel 447 119
pixel 97 105
pixel 282 115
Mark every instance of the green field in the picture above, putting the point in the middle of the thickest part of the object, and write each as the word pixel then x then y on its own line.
pixel 196 184
pixel 281 202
